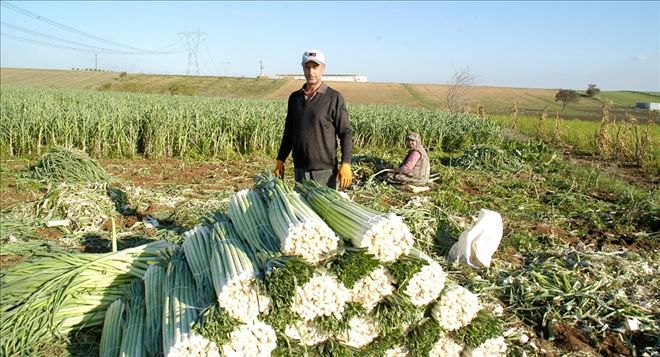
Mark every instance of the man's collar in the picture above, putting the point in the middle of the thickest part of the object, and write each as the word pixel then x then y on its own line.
pixel 322 89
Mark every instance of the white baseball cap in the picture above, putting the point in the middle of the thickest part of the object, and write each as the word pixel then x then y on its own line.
pixel 313 55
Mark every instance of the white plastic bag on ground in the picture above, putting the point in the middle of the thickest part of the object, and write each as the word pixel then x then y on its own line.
pixel 476 246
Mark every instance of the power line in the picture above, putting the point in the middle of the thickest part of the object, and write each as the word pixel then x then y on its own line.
pixel 177 46
pixel 70 29
pixel 211 58
pixel 29 40
pixel 90 47
pixel 205 67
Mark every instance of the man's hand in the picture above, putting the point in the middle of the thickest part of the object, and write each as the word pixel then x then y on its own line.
pixel 345 175
pixel 279 169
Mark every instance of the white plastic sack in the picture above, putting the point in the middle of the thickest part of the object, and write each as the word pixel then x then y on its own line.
pixel 476 246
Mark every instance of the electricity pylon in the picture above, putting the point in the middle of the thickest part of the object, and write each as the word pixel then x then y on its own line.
pixel 192 40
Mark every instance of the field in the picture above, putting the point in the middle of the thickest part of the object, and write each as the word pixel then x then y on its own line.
pixel 577 269
pixel 495 100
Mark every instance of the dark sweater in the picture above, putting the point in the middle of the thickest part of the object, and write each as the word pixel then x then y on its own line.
pixel 312 128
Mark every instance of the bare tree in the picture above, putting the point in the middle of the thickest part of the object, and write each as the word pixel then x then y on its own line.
pixel 457 96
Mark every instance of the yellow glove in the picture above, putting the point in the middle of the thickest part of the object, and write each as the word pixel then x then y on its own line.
pixel 345 175
pixel 279 169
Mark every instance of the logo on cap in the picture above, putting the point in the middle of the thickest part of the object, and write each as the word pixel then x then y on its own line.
pixel 313 55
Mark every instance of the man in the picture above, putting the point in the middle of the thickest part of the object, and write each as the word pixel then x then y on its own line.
pixel 415 168
pixel 316 118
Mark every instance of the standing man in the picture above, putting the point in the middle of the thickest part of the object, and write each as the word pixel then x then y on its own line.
pixel 316 117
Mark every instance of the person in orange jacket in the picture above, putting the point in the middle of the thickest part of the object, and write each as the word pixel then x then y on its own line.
pixel 316 118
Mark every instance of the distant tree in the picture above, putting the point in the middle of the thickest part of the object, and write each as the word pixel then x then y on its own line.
pixel 592 91
pixel 457 95
pixel 122 75
pixel 567 96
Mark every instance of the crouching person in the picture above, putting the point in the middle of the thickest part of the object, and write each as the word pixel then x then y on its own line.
pixel 415 169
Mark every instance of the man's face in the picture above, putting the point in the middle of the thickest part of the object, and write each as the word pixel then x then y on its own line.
pixel 313 72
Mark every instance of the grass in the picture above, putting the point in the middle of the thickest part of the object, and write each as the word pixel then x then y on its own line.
pixel 630 98
pixel 231 87
pixel 46 78
pixel 580 136
pixel 419 97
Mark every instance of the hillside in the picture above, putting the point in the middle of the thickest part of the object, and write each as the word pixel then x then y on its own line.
pixel 52 78
pixel 496 100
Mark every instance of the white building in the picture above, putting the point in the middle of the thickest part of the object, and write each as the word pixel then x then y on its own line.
pixel 326 77
pixel 650 106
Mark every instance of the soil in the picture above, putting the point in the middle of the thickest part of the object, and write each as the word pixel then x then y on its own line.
pixel 50 233
pixel 120 222
pixel 613 346
pixel 9 260
pixel 13 197
pixel 468 187
pixel 629 173
pixel 203 176
pixel 572 339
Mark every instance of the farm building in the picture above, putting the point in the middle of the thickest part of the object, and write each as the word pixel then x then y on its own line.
pixel 326 77
pixel 651 106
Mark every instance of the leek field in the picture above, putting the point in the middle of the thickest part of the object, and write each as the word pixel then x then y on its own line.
pixel 576 272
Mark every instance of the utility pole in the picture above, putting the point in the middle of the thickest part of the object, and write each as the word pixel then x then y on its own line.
pixel 261 68
pixel 96 62
pixel 192 40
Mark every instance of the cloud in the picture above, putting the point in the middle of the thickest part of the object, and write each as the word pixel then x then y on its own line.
pixel 641 57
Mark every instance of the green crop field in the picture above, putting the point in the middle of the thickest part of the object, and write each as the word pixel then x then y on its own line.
pixel 124 125
pixel 160 158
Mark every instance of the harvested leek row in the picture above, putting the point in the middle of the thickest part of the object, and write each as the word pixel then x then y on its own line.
pixel 322 295
pixel 367 280
pixel 180 308
pixel 361 331
pixel 249 214
pixel 300 230
pixel 65 164
pixel 384 235
pixel 132 340
pixel 154 279
pixel 495 347
pixel 307 333
pixel 198 248
pixel 112 330
pixel 222 261
pixel 234 275
pixel 456 308
pixel 56 293
pixel 446 346
pixel 427 284
pixel 255 338
pixel 370 290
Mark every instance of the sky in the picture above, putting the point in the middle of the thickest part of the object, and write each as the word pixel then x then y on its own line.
pixel 558 44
